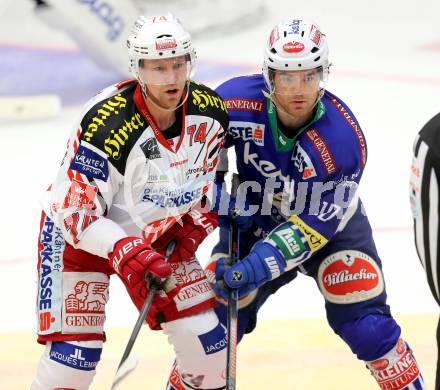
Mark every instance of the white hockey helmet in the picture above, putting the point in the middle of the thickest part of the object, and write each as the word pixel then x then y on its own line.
pixel 157 37
pixel 295 45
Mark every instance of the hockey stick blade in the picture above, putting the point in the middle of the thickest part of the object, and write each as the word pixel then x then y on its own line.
pixel 128 364
pixel 124 369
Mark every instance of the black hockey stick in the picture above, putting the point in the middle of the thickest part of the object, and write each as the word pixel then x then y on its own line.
pixel 231 351
pixel 126 365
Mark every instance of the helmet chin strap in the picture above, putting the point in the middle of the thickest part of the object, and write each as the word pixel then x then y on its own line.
pixel 153 100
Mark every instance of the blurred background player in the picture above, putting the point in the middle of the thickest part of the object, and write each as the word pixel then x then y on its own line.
pixel 100 27
pixel 424 196
pixel 136 175
pixel 300 155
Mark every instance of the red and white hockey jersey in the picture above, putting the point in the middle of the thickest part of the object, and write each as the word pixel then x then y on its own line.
pixel 120 176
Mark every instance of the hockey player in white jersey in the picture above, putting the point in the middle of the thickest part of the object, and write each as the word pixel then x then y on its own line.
pixel 137 174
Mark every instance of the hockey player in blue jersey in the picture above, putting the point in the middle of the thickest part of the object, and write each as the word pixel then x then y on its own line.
pixel 300 156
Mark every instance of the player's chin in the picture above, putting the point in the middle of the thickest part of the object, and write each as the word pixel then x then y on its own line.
pixel 299 109
pixel 171 101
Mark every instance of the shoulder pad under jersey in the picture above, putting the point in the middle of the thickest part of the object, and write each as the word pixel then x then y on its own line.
pixel 204 101
pixel 113 124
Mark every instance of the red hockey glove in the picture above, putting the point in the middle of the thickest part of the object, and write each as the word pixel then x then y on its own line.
pixel 189 233
pixel 133 260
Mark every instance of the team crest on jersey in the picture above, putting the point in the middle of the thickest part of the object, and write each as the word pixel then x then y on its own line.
pixel 247 131
pixel 151 149
pixel 349 277
pixel 303 163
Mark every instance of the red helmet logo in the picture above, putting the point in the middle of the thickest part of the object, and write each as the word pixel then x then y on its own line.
pixel 293 47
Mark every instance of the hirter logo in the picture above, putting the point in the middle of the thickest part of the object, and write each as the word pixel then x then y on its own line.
pixel 349 277
pixel 293 47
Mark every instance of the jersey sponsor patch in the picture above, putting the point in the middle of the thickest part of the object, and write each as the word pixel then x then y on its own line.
pixel 168 199
pixel 288 241
pixel 215 340
pixel 90 163
pixel 356 128
pixel 264 167
pixel 51 265
pixel 302 162
pixel 115 143
pixel 80 195
pixel 103 111
pixel 349 277
pixel 80 358
pixel 247 131
pixel 314 239
pixel 397 369
pixel 85 295
pixel 195 286
pixel 245 105
pixel 202 99
pixel 322 150
pixel 150 148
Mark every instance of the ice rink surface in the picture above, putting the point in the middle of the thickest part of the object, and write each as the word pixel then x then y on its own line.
pixel 386 67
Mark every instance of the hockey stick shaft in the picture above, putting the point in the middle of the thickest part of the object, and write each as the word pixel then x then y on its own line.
pixel 121 373
pixel 232 324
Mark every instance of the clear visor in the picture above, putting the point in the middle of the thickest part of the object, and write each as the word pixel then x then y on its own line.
pixel 299 82
pixel 166 71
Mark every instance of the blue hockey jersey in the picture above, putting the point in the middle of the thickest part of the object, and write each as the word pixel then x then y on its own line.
pixel 311 180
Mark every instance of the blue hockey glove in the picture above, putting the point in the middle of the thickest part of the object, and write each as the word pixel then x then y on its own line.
pixel 264 263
